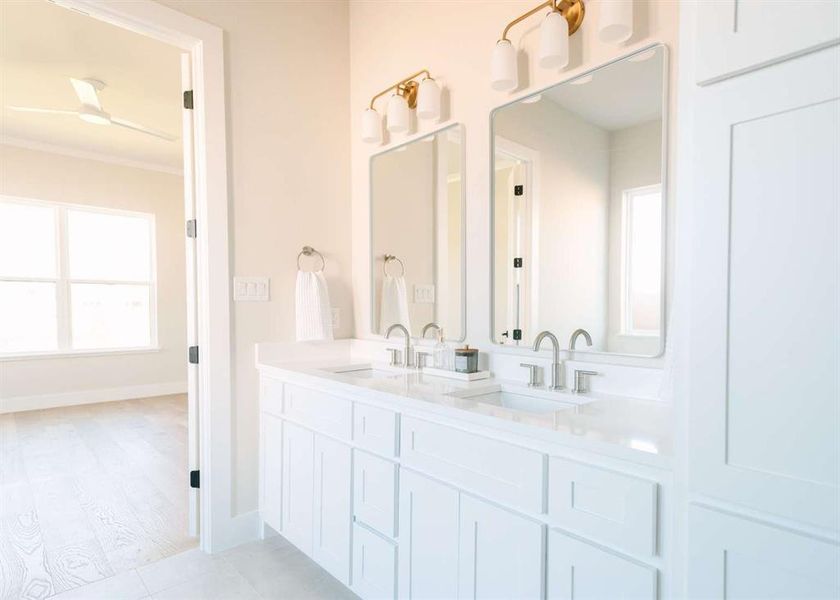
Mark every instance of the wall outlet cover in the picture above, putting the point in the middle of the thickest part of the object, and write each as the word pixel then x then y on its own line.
pixel 424 293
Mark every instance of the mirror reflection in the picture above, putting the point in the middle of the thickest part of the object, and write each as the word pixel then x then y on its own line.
pixel 578 211
pixel 417 235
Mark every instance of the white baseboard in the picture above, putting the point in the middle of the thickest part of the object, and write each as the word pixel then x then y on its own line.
pixel 237 530
pixel 22 403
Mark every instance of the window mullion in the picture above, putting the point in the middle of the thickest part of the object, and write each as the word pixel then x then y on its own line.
pixel 62 288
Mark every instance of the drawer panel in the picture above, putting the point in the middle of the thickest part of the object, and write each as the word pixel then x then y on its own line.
pixel 375 429
pixel 606 506
pixel 271 396
pixel 322 412
pixel 493 469
pixel 374 565
pixel 375 492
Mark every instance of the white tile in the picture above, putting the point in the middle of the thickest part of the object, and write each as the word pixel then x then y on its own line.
pixel 176 569
pixel 222 583
pixel 125 586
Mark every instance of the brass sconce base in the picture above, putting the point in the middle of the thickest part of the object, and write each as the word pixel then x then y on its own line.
pixel 409 92
pixel 573 10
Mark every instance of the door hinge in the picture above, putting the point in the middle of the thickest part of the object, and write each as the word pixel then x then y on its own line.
pixel 517 263
pixel 195 479
pixel 518 190
pixel 192 228
pixel 193 352
pixel 188 99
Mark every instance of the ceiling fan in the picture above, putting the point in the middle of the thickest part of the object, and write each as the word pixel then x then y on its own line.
pixel 91 109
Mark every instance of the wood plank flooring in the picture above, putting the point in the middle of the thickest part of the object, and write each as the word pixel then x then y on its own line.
pixel 87 492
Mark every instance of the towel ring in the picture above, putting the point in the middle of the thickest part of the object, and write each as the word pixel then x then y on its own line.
pixel 389 258
pixel 309 251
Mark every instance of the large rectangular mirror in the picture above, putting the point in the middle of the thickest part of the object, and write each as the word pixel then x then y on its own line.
pixel 578 181
pixel 417 235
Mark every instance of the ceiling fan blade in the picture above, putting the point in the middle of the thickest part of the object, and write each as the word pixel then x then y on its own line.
pixel 52 111
pixel 86 90
pixel 143 129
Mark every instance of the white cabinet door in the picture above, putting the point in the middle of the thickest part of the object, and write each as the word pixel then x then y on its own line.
pixel 298 451
pixel 734 558
pixel 271 462
pixel 374 565
pixel 333 519
pixel 765 291
pixel 375 492
pixel 736 35
pixel 428 552
pixel 501 555
pixel 580 571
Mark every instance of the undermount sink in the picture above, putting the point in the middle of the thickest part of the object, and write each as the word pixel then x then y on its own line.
pixel 368 371
pixel 514 398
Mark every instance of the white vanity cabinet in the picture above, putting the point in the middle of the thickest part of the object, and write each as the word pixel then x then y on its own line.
pixel 400 505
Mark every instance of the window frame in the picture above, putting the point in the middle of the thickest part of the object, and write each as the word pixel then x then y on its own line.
pixel 63 282
pixel 625 300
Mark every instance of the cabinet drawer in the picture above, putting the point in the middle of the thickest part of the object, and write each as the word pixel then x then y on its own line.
pixel 606 506
pixel 375 492
pixel 271 396
pixel 579 571
pixel 490 468
pixel 375 429
pixel 374 565
pixel 322 412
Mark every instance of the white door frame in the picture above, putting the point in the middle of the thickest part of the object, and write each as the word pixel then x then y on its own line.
pixel 219 529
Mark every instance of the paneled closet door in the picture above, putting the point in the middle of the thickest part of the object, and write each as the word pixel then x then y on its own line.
pixel 765 323
pixel 734 36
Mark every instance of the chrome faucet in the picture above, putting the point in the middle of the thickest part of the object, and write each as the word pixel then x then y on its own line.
pixel 429 326
pixel 407 361
pixel 556 365
pixel 576 334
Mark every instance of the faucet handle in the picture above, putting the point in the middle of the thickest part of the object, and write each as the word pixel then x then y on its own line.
pixel 393 357
pixel 533 373
pixel 422 358
pixel 580 380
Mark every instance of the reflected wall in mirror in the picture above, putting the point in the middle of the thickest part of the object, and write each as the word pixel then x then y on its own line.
pixel 417 235
pixel 578 210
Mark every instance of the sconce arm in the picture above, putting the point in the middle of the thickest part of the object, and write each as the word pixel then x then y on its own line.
pixel 400 84
pixel 571 9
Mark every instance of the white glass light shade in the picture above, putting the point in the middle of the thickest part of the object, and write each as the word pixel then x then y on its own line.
pixel 554 41
pixel 503 72
pixel 428 99
pixel 398 116
pixel 615 21
pixel 371 127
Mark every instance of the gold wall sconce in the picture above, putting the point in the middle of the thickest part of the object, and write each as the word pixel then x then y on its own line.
pixel 564 18
pixel 406 95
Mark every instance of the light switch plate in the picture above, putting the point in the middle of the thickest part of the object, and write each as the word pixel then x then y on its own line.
pixel 251 289
pixel 424 293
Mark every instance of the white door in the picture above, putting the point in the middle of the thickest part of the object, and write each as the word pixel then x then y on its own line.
pixel 580 571
pixel 192 296
pixel 501 555
pixel 734 36
pixel 298 468
pixel 733 558
pixel 333 518
pixel 428 551
pixel 271 477
pixel 766 290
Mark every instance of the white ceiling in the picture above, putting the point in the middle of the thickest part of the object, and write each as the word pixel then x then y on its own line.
pixel 619 95
pixel 42 45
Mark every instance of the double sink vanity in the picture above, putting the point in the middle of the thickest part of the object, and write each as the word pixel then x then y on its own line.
pixel 402 482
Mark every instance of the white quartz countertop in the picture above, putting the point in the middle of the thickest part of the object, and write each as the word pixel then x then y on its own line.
pixel 627 428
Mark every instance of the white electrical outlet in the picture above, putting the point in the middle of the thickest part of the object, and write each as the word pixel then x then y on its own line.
pixel 251 289
pixel 424 293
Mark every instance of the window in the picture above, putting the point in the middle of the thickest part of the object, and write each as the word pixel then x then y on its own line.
pixel 641 261
pixel 75 278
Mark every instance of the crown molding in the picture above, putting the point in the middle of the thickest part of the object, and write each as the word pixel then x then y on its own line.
pixel 17 142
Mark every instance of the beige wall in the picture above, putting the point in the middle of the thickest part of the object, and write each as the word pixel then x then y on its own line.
pixel 454 39
pixel 288 150
pixel 58 178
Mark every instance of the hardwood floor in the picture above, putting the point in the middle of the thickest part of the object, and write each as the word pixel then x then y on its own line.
pixel 87 492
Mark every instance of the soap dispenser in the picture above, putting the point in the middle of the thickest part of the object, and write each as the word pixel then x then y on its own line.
pixel 441 352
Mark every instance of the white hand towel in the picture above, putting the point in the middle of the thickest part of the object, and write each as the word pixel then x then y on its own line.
pixel 313 313
pixel 394 305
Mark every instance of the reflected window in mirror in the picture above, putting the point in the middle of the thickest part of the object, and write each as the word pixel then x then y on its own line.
pixel 578 210
pixel 417 235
